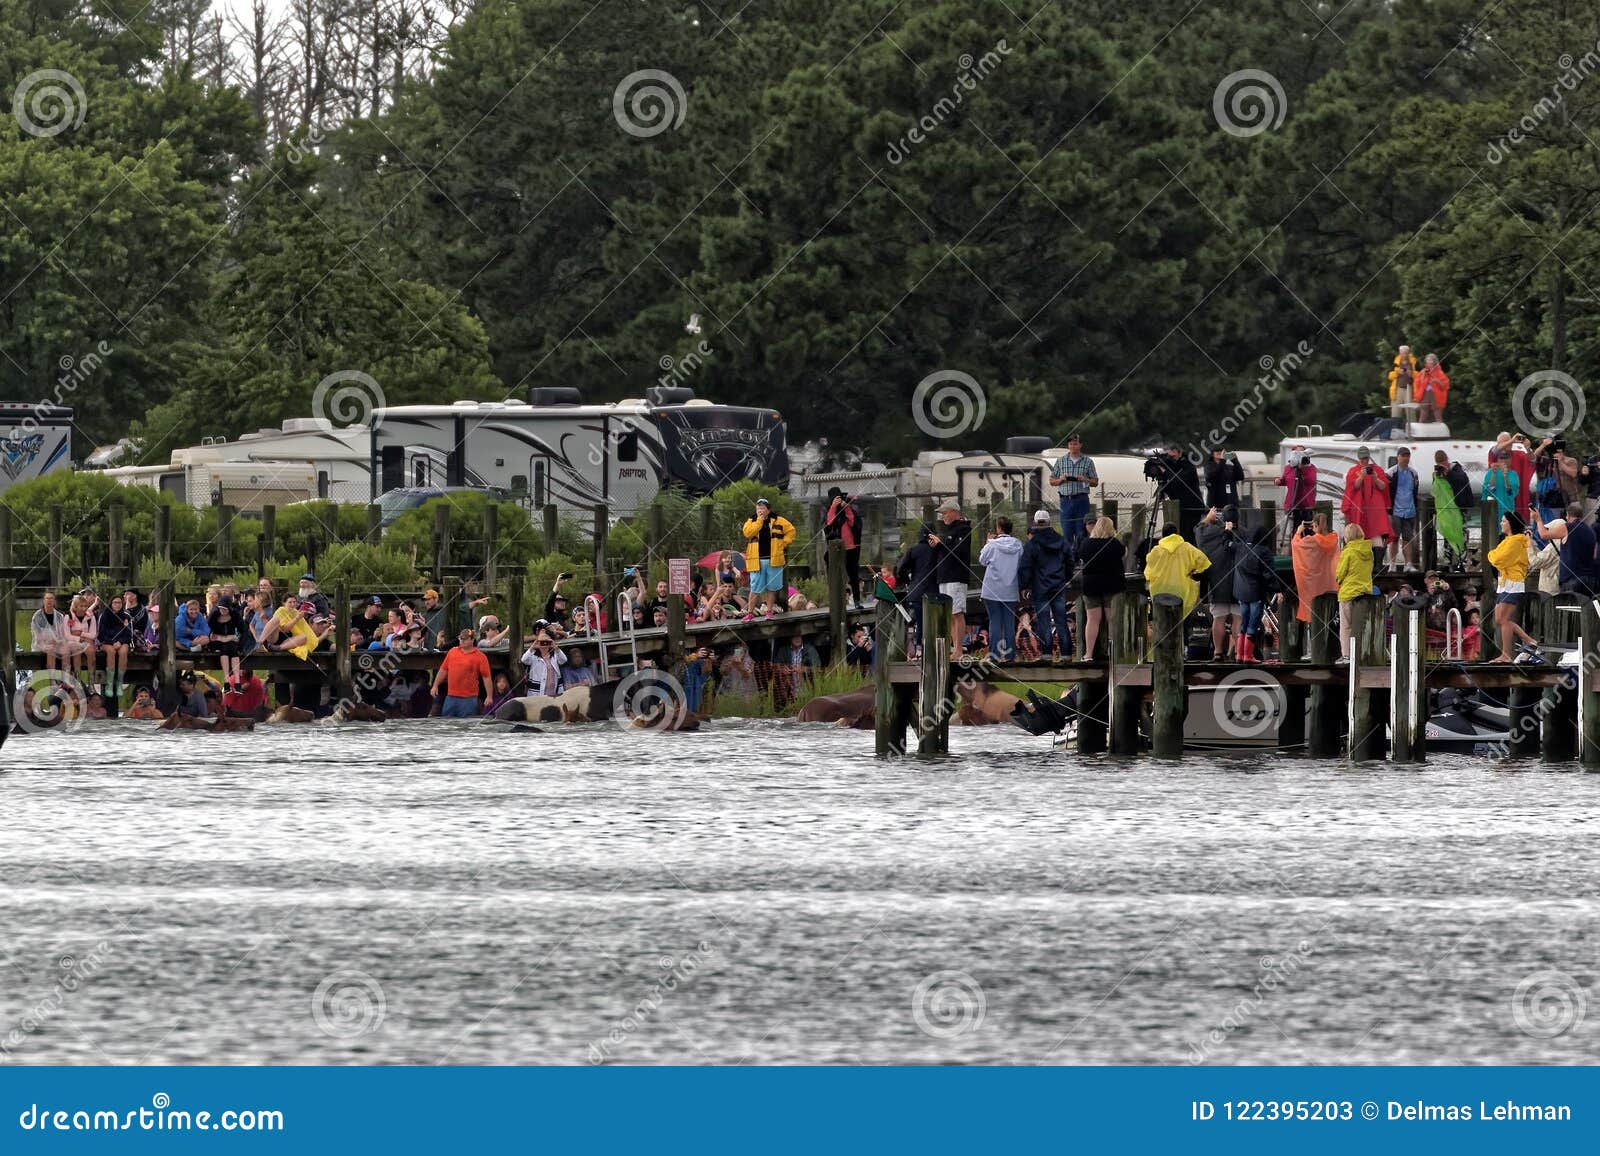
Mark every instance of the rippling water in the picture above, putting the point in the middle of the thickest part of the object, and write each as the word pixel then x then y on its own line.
pixel 434 892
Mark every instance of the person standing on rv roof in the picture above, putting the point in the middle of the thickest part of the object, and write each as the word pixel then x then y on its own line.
pixel 1403 490
pixel 1299 482
pixel 1400 381
pixel 1431 388
pixel 1072 475
pixel 1223 475
pixel 1366 499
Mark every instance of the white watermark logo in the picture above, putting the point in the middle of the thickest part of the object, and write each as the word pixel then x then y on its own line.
pixel 973 70
pixel 49 102
pixel 652 700
pixel 346 398
pixel 1248 705
pixel 649 102
pixel 1249 102
pixel 49 699
pixel 348 1004
pixel 948 403
pixel 1548 403
pixel 948 1004
pixel 1548 1004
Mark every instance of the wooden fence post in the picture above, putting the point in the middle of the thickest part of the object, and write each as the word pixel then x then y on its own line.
pixel 552 529
pixel 163 532
pixel 655 535
pixel 517 621
pixel 1489 525
pixel 1427 532
pixel 265 546
pixel 602 527
pixel 1128 627
pixel 491 537
pixel 1166 731
pixel 167 641
pixel 374 533
pixel 441 540
pixel 58 561
pixel 116 561
pixel 224 535
pixel 8 648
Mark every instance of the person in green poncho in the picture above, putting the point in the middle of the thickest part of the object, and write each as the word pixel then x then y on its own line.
pixel 1447 514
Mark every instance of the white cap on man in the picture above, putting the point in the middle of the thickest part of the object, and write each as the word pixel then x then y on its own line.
pixel 1041 517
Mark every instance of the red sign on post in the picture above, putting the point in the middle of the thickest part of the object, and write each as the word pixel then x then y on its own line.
pixel 680 576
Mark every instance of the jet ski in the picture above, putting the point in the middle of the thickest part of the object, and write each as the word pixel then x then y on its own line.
pixel 1468 722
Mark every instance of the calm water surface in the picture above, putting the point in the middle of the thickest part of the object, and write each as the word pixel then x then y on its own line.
pixel 433 892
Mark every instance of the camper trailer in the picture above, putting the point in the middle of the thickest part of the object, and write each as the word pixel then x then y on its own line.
pixel 200 477
pixel 555 449
pixel 341 459
pixel 34 440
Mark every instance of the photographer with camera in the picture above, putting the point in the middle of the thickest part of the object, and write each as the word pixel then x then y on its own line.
pixel 1299 482
pixel 1447 515
pixel 1223 477
pixel 1366 500
pixel 1177 480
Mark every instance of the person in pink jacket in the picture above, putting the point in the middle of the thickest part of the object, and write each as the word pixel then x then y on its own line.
pixel 1299 482
pixel 1366 499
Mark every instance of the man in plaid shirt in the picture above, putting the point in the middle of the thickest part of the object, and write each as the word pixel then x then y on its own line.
pixel 1072 476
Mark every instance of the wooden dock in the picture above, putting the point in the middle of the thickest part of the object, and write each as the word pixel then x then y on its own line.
pixel 1373 706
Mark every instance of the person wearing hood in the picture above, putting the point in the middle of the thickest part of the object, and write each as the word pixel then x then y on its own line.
pixel 1000 558
pixel 1354 576
pixel 1214 535
pixel 1042 576
pixel 1173 566
pixel 1366 498
pixel 1315 550
pixel 915 578
pixel 1254 581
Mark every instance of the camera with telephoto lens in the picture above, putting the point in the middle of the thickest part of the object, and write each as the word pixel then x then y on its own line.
pixel 1155 467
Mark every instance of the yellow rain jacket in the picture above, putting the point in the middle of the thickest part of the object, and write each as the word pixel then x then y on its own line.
pixel 1355 570
pixel 300 629
pixel 1394 375
pixel 781 531
pixel 1171 567
pixel 1510 558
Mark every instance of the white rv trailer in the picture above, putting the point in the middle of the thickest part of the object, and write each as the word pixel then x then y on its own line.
pixel 200 477
pixel 574 455
pixel 34 440
pixel 1334 455
pixel 340 458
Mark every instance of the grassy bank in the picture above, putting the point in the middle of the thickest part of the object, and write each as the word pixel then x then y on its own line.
pixel 829 680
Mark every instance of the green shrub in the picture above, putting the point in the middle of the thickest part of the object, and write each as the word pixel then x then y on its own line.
pixel 365 569
pixel 153 570
pixel 517 540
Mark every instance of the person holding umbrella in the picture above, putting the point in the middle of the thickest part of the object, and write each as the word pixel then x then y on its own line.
pixel 727 566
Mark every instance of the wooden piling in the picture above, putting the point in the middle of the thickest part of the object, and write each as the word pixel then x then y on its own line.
pixel 1327 701
pixel 167 641
pixel 1166 678
pixel 1094 698
pixel 8 647
pixel 838 589
pixel 1408 682
pixel 1127 624
pixel 676 635
pixel 344 688
pixel 933 726
pixel 450 594
pixel 1365 713
pixel 1589 686
pixel 1524 710
pixel 655 531
pixel 889 635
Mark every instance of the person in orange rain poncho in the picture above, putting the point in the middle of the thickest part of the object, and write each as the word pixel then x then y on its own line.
pixel 1366 499
pixel 1431 389
pixel 1315 549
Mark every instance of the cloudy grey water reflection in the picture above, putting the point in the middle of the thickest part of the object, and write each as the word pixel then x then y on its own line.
pixel 434 892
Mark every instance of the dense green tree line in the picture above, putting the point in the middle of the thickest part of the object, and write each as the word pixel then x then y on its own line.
pixel 1065 202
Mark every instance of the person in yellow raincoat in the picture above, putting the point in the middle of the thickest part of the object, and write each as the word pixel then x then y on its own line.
pixel 1172 565
pixel 1354 576
pixel 1400 380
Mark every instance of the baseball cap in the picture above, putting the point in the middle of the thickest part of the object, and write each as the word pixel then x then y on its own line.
pixel 375 600
pixel 307 578
pixel 1041 517
pixel 1363 453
